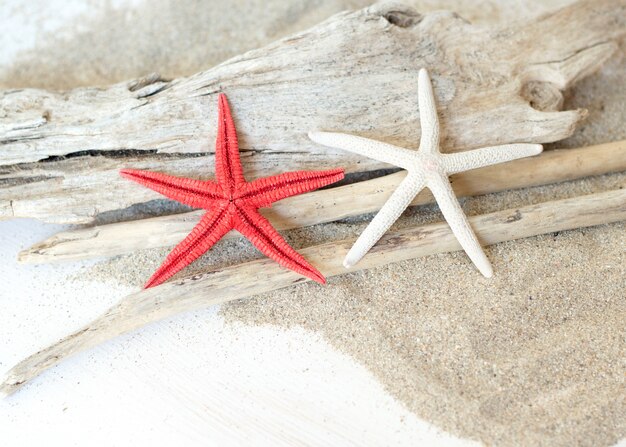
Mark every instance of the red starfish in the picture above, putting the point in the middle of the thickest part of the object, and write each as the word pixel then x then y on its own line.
pixel 232 203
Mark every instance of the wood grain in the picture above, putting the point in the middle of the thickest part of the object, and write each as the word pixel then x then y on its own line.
pixel 60 153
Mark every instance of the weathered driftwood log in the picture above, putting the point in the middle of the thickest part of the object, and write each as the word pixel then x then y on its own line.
pixel 355 73
pixel 331 204
pixel 251 278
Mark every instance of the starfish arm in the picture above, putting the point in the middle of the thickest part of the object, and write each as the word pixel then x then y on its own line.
pixel 265 191
pixel 195 193
pixel 212 226
pixel 388 214
pixel 486 156
pixel 228 169
pixel 454 215
pixel 387 153
pixel 429 122
pixel 263 235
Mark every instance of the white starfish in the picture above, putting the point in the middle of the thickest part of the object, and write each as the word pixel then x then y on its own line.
pixel 427 167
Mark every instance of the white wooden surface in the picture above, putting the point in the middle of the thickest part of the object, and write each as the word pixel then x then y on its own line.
pixel 192 379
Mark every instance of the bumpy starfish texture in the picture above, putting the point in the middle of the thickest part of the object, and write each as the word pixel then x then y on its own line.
pixel 426 167
pixel 232 203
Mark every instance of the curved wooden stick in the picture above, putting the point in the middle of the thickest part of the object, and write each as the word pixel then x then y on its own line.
pixel 261 276
pixel 331 204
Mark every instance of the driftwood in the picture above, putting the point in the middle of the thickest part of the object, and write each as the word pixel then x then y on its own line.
pixel 60 152
pixel 331 204
pixel 252 278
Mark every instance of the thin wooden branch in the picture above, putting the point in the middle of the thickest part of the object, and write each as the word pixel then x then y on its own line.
pixel 252 278
pixel 355 73
pixel 331 204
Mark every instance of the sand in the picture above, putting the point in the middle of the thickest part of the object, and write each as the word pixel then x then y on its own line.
pixel 110 43
pixel 534 356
